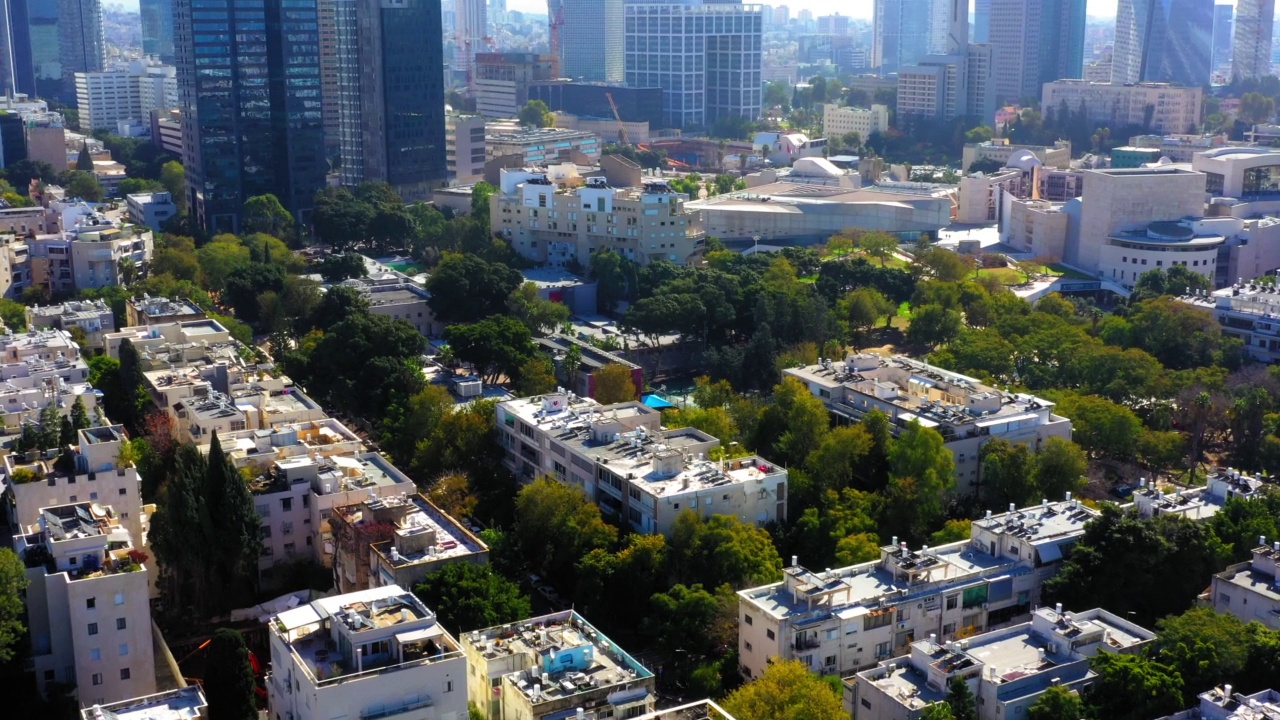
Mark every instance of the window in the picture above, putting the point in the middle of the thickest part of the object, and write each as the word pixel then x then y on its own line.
pixel 286 528
pixel 1224 598
pixel 124 649
pixel 95 654
pixel 121 623
pixel 829 661
pixel 93 628
pixel 124 491
pixel 124 673
pixel 634 711
pixel 97 678
pixel 90 603
pixel 882 650
pixel 747 645
pixel 866 703
pixel 769 634
pixel 286 504
pixel 448 686
pixel 288 549
pixel 833 633
pixel 748 619
pixel 952 601
pixel 949 629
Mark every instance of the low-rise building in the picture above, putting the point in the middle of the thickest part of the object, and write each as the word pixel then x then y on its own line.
pixel 1178 147
pixel 185 703
pixel 1251 590
pixel 88 606
pixel 96 251
pixel 1162 107
pixel 375 653
pixel 559 285
pixel 1248 311
pixel 151 209
pixel 1007 670
pixel 554 666
pixel 148 310
pixel 782 148
pixel 839 121
pixel 1221 703
pixel 395 296
pixel 1001 150
pixel 842 620
pixel 93 317
pixel 639 473
pixel 397 540
pixel 540 146
pixel 964 410
pixel 1199 503
pixel 582 379
pixel 41 368
pixel 465 148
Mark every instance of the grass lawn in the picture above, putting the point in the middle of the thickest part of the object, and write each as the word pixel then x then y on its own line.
pixel 904 311
pixel 1006 276
pixel 1059 269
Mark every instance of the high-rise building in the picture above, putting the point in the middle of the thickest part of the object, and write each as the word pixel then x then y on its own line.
pixel 1035 42
pixel 81 45
pixel 706 56
pixel 249 90
pixel 7 76
pixel 126 94
pixel 502 81
pixel 592 41
pixel 497 12
pixel 955 83
pixel 1251 49
pixel 1163 41
pixel 157 29
pixel 391 86
pixel 981 21
pixel 51 42
pixel 1223 19
pixel 903 33
pixel 471 27
pixel 330 96
pixel 781 16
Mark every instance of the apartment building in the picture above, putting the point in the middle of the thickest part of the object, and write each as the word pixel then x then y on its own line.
pixel 1251 590
pixel 624 461
pixel 1220 703
pixel 148 310
pixel 554 666
pixel 1007 670
pixel 22 221
pixel 300 473
pixel 93 252
pixel 88 608
pixel 1172 108
pixel 540 146
pixel 1198 503
pixel 1248 311
pixel 839 121
pixel 395 296
pixel 375 653
pixel 127 94
pixel 151 209
pixel 465 148
pixel 40 368
pixel 847 619
pixel 965 411
pixel 186 703
pixel 397 540
pixel 502 81
pixel 551 225
pixel 93 317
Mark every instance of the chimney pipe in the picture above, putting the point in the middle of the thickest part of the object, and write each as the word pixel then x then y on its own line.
pixel 1012 507
pixel 795 560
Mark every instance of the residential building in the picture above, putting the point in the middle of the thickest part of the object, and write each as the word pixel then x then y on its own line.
pixel 93 252
pixel 1251 46
pixel 542 146
pixel 902 33
pixel 1172 109
pixel 1001 150
pixel 1200 503
pixel 93 317
pixel 839 121
pixel 148 310
pixel 706 57
pixel 784 148
pixel 41 368
pixel 1248 311
pixel 502 81
pixel 23 221
pixel 1035 42
pixel 249 128
pixel 839 621
pixel 1163 41
pixel 374 653
pixel 465 148
pixel 157 29
pixel 635 104
pixel 966 411
pixel 184 703
pixel 592 41
pixel 561 227
pixel 152 209
pixel 88 606
pixel 554 666
pixel 127 94
pixel 624 461
pixel 1223 19
pixel 582 379
pixel 471 30
pixel 391 87
pixel 397 540
pixel 1221 703
pixel 1251 590
pixel 1179 148
pixel 1007 670
pixel 166 131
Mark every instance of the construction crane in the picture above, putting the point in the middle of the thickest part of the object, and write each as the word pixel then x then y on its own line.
pixel 622 128
pixel 555 22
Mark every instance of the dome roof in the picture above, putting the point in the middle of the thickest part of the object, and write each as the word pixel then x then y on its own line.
pixel 1023 160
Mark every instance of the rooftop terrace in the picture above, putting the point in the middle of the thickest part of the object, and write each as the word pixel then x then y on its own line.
pixel 182 704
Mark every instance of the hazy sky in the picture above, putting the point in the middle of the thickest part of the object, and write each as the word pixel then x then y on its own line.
pixel 819 7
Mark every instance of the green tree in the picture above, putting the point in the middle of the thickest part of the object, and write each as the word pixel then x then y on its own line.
pixel 720 550
pixel 174 179
pixel 13 584
pixel 1101 427
pixel 237 529
pixel 541 316
pixel 786 691
pixel 614 384
pixel 692 619
pixel 535 113
pixel 939 711
pixel 1007 473
pixel 336 268
pixel 1060 468
pixel 879 245
pixel 863 308
pixel 1256 108
pixel 467 596
pixel 83 185
pixel 13 314
pixel 339 219
pixel 1057 703
pixel 466 288
pixel 921 474
pixel 228 679
pixel 265 214
pixel 793 426
pixel 495 346
pixel 835 462
pixel 79 415
pixel 933 325
pixel 537 376
pixel 1132 687
pixel 134 186
pixel 964 706
pixel 84 161
pixel 1207 648
pixel 555 525
pixel 220 258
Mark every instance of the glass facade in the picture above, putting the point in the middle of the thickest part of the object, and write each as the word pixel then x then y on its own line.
pixel 904 33
pixel 249 86
pixel 1163 41
pixel 157 29
pixel 1262 181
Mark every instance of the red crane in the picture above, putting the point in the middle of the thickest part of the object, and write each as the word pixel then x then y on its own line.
pixel 554 23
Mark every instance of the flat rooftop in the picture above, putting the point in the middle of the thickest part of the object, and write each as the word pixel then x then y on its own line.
pixel 1042 523
pixel 1245 577
pixel 451 540
pixel 181 704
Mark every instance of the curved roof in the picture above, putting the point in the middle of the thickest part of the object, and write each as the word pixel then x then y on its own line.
pixel 815 167
pixel 1023 160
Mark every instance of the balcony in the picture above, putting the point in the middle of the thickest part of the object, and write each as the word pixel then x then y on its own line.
pixel 377 712
pixel 806 643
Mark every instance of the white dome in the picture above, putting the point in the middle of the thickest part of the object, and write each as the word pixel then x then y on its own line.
pixel 1023 160
pixel 815 167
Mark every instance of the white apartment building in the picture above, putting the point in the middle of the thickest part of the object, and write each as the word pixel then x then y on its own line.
pixel 376 653
pixel 555 226
pixel 540 146
pixel 301 473
pixel 93 317
pixel 1007 670
pixel 151 209
pixel 186 703
pixel 90 253
pixel 395 296
pixel 838 121
pixel 1199 503
pixel 636 471
pixel 40 368
pixel 842 620
pixel 1174 109
pixel 88 606
pixel 465 148
pixel 706 57
pixel 1248 311
pixel 965 411
pixel 148 310
pixel 126 94
pixel 554 666
pixel 423 540
pixel 1221 703
pixel 1251 590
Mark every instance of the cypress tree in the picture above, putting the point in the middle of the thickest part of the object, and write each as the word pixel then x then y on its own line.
pixel 236 525
pixel 84 161
pixel 228 682
pixel 79 416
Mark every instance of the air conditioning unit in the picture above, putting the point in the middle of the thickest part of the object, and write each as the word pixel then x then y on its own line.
pixel 902 626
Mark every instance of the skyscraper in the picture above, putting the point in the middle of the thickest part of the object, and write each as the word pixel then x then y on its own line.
pixel 1222 22
pixel 706 57
pixel 249 89
pixel 157 29
pixel 1163 41
pixel 1251 48
pixel 981 21
pixel 51 41
pixel 81 45
pixel 592 41
pixel 391 87
pixel 1035 42
pixel 470 30
pixel 904 32
pixel 8 78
